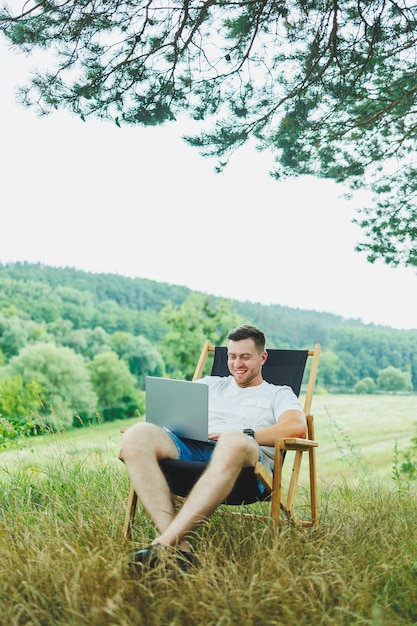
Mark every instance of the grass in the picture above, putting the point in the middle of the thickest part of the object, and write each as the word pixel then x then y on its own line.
pixel 360 432
pixel 64 563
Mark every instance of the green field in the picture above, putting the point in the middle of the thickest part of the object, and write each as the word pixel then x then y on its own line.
pixel 369 427
pixel 356 434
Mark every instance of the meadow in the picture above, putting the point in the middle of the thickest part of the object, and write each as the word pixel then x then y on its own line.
pixel 64 561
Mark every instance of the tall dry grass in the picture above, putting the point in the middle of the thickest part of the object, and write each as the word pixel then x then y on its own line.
pixel 63 561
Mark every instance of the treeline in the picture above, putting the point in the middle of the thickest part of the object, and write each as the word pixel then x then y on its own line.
pixel 77 346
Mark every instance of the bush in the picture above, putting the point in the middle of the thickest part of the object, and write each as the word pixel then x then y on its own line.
pixel 365 386
pixel 393 379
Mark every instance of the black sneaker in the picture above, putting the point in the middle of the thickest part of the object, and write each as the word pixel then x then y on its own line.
pixel 158 553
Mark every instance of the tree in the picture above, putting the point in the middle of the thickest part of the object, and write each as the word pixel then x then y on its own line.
pixel 393 379
pixel 86 341
pixel 329 86
pixel 16 332
pixel 141 356
pixel 114 385
pixel 63 378
pixel 13 335
pixel 76 305
pixel 334 370
pixel 197 319
pixel 19 401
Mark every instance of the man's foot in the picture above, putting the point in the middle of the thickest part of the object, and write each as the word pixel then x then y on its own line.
pixel 158 553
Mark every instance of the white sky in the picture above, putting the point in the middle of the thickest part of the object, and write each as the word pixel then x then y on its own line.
pixel 139 202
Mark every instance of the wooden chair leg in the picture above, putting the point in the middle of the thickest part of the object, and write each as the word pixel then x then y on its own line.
pixel 313 488
pixel 294 482
pixel 285 503
pixel 130 513
pixel 277 487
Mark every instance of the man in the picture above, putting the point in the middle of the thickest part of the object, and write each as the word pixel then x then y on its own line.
pixel 246 416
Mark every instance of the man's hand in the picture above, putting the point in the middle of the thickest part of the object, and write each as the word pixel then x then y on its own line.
pixel 214 436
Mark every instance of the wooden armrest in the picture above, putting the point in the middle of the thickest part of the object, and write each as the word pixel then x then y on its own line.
pixel 262 473
pixel 295 443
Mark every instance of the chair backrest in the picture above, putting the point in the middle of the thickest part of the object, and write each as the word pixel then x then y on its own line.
pixel 282 367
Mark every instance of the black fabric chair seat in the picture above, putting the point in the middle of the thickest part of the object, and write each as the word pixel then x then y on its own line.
pixel 182 475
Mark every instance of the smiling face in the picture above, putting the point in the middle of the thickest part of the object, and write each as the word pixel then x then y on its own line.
pixel 245 362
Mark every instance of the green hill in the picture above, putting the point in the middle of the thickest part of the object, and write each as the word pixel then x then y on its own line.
pixel 83 311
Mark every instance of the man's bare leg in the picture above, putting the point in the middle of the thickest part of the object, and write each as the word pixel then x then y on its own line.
pixel 143 445
pixel 232 453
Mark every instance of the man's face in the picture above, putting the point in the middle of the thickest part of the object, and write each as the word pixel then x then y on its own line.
pixel 245 362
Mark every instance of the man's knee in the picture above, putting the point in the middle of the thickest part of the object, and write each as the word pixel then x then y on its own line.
pixel 144 438
pixel 236 446
pixel 233 438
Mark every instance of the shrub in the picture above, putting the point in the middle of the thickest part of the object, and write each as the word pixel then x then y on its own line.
pixel 365 386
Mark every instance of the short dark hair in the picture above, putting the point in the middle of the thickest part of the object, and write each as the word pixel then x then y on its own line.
pixel 246 331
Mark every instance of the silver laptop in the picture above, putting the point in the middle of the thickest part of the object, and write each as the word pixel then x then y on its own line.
pixel 180 405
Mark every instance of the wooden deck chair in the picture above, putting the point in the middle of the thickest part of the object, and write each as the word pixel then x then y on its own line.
pixel 283 367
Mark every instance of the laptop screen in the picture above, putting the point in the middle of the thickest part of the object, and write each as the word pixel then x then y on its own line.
pixel 180 405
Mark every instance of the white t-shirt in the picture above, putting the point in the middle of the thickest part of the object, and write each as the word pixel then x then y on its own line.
pixel 234 408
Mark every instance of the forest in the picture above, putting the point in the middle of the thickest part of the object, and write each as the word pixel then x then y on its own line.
pixel 76 347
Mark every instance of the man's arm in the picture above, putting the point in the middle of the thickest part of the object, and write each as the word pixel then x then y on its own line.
pixel 291 423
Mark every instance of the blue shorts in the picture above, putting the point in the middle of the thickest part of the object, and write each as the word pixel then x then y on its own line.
pixel 192 450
